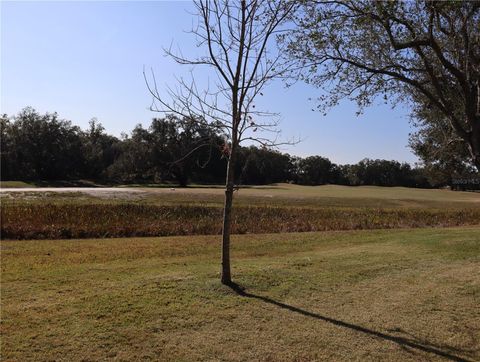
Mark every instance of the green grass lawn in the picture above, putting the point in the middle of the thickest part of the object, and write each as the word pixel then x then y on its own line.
pixel 15 184
pixel 390 295
pixel 44 183
pixel 273 195
pixel 326 195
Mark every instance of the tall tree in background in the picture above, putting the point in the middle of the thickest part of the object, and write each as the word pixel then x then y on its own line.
pixel 237 37
pixel 406 50
pixel 315 170
pixel 36 146
pixel 178 146
pixel 99 150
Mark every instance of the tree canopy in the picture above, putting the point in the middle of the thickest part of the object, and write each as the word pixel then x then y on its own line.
pixel 422 52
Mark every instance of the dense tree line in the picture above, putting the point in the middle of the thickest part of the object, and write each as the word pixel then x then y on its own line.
pixel 182 151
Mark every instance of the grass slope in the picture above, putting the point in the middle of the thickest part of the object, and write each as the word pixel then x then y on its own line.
pixel 15 184
pixel 273 195
pixel 385 295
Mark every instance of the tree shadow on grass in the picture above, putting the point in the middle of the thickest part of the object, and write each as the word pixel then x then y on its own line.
pixel 404 343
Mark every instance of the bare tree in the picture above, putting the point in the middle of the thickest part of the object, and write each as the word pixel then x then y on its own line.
pixel 238 37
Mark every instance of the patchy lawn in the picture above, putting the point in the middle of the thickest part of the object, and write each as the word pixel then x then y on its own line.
pixel 399 295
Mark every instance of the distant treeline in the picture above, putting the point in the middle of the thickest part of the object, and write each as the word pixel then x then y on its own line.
pixel 172 150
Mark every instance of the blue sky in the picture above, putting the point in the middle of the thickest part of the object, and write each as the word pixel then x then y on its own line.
pixel 85 59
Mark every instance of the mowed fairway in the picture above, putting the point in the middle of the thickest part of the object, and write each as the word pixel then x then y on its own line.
pixel 336 195
pixel 271 195
pixel 394 295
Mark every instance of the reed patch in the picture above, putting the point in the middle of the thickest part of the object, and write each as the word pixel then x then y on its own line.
pixel 63 221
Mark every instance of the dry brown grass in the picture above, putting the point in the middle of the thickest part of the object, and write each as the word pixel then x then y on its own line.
pixel 60 221
pixel 384 295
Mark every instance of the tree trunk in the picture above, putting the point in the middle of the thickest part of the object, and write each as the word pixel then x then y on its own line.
pixel 227 221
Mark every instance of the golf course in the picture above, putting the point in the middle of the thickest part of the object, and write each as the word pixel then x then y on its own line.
pixel 406 291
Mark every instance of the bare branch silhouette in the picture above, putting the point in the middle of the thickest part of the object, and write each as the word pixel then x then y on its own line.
pixel 239 39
